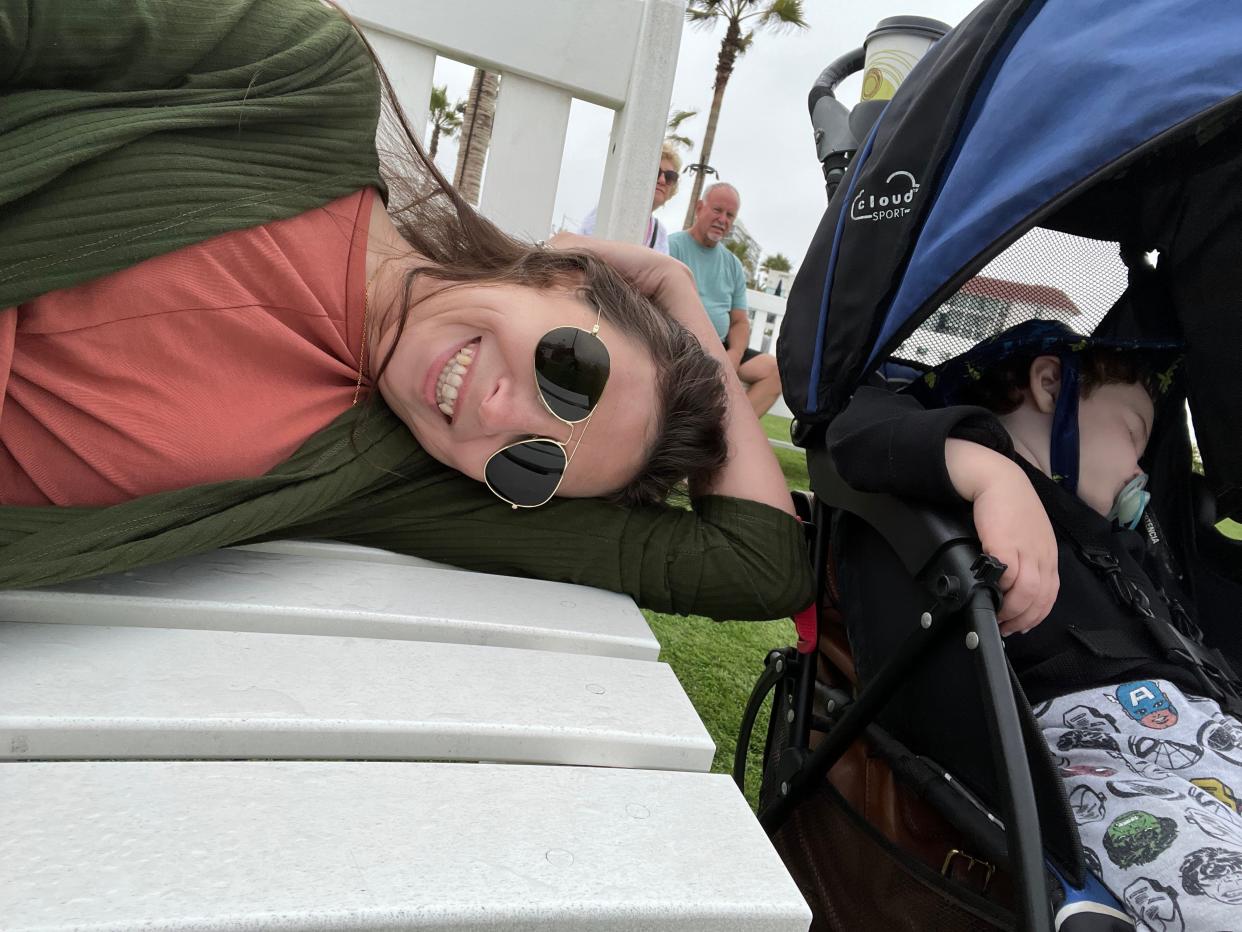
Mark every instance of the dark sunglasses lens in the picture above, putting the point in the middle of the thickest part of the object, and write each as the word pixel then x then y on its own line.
pixel 571 369
pixel 669 176
pixel 526 473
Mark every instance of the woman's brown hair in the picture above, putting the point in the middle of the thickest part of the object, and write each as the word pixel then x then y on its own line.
pixel 688 439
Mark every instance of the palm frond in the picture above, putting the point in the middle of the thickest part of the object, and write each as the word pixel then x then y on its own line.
pixel 443 114
pixel 782 15
pixel 449 122
pixel 702 19
pixel 677 117
pixel 439 98
pixel 684 142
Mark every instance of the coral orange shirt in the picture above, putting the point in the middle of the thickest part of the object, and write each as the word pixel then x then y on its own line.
pixel 213 362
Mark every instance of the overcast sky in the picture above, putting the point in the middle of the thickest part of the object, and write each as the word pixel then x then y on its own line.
pixel 763 142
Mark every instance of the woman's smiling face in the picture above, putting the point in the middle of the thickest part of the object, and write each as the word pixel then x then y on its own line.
pixel 462 378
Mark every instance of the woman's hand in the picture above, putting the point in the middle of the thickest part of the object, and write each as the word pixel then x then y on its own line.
pixel 752 471
pixel 1013 527
pixel 642 267
pixel 661 278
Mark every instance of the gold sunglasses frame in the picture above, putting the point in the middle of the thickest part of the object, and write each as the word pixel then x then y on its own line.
pixel 569 455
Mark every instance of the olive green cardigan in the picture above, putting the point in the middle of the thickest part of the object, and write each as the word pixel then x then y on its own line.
pixel 129 128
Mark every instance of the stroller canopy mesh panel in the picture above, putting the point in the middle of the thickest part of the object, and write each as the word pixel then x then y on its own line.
pixel 1045 275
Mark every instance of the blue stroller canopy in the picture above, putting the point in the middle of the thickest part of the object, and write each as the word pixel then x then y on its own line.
pixel 1082 85
pixel 1019 109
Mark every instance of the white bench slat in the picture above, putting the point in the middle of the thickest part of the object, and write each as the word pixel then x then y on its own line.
pixel 305 845
pixel 586 47
pixel 80 692
pixel 524 162
pixel 283 594
pixel 336 550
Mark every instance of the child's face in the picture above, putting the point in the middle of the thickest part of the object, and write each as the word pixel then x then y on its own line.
pixel 1114 423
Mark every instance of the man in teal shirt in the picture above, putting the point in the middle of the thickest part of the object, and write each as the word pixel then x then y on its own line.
pixel 721 282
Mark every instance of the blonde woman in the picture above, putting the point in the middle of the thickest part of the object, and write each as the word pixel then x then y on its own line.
pixel 666 186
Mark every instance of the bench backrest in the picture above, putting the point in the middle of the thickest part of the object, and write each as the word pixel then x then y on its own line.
pixel 620 54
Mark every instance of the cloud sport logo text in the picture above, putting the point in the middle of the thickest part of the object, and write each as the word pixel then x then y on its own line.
pixel 893 202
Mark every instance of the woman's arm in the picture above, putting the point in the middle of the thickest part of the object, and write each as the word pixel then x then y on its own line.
pixel 370 483
pixel 751 471
pixel 130 128
pixel 121 45
pixel 729 558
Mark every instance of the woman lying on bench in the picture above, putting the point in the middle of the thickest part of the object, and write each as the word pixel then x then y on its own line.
pixel 223 320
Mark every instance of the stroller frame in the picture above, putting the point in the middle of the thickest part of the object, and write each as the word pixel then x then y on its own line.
pixel 943 550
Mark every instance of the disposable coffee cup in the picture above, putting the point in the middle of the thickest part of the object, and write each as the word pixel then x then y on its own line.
pixel 892 49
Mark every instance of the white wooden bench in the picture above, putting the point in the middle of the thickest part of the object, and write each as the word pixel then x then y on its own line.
pixel 120 846
pixel 302 735
pixel 260 591
pixel 157 776
pixel 83 692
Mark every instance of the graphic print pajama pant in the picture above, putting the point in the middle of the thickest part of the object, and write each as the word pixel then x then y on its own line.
pixel 1151 775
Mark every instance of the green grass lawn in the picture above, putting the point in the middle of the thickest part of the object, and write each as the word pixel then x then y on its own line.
pixel 718 662
pixel 793 462
pixel 793 465
pixel 776 427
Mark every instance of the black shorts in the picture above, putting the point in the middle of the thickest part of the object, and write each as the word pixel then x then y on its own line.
pixel 747 354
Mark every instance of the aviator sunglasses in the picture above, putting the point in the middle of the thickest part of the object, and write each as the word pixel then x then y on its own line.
pixel 669 176
pixel 571 369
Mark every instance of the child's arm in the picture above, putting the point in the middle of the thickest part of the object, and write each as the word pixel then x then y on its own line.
pixel 886 442
pixel 1012 526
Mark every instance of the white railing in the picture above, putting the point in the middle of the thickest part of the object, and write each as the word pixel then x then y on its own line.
pixel 619 54
pixel 767 312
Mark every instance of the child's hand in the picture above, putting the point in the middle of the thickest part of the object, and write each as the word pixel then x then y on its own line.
pixel 1013 527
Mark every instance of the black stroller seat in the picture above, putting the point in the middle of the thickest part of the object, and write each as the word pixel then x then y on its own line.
pixel 892 838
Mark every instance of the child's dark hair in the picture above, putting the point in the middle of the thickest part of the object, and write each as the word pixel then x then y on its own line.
pixel 999 388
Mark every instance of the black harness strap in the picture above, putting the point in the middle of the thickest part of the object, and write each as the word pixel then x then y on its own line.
pixel 1178 638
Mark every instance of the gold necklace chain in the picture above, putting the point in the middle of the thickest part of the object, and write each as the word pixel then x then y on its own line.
pixel 362 350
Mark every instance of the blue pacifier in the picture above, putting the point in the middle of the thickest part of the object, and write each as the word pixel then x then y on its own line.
pixel 1130 502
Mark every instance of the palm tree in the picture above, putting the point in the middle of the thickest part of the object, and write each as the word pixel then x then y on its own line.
pixel 778 15
pixel 476 134
pixel 445 118
pixel 675 119
pixel 741 249
pixel 777 262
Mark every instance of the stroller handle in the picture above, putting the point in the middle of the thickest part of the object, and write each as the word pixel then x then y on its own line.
pixel 826 84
